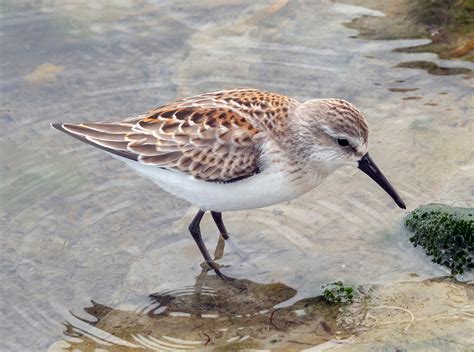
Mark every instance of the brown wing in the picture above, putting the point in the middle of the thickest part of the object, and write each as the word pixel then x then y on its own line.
pixel 209 143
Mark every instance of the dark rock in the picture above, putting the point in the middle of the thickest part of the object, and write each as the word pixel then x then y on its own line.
pixel 446 233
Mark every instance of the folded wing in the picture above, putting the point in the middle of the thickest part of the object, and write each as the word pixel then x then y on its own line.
pixel 209 143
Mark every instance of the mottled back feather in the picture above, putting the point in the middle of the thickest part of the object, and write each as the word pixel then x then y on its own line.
pixel 212 137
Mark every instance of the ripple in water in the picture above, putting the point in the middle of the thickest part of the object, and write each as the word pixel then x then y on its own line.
pixel 210 313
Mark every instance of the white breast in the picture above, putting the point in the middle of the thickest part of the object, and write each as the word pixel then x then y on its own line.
pixel 269 187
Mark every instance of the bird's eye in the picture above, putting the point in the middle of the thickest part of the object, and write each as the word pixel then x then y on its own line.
pixel 343 142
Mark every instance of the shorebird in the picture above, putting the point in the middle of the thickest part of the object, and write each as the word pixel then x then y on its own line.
pixel 237 149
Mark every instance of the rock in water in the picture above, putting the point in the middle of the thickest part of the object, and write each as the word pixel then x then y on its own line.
pixel 446 233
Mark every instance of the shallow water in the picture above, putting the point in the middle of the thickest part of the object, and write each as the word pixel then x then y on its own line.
pixel 78 226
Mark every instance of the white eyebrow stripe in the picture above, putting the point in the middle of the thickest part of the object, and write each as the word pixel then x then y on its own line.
pixel 336 135
pixel 328 130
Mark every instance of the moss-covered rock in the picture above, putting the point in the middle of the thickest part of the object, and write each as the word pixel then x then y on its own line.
pixel 446 233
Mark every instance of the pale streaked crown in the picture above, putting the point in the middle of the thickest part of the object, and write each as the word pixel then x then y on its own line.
pixel 324 124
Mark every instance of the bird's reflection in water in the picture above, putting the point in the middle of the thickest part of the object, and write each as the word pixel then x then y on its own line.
pixel 237 314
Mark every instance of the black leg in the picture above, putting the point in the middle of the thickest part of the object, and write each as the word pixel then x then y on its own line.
pixel 220 224
pixel 196 233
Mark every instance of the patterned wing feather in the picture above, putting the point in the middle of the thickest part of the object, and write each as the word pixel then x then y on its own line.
pixel 209 143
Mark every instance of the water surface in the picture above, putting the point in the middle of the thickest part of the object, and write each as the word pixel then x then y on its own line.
pixel 79 227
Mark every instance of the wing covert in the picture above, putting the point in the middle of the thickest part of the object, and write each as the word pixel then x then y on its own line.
pixel 208 143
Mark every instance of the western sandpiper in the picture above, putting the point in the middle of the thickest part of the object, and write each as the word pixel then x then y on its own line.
pixel 237 149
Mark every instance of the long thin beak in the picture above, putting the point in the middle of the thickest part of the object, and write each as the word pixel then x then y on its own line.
pixel 367 165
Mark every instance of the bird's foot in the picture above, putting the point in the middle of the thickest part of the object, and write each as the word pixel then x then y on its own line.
pixel 213 266
pixel 208 266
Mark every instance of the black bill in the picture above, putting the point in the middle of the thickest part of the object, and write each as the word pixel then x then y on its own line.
pixel 367 165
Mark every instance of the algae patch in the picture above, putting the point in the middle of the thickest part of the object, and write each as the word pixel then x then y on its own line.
pixel 450 25
pixel 447 23
pixel 446 233
pixel 338 292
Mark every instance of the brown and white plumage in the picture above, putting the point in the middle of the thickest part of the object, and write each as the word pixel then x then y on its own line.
pixel 237 149
pixel 212 137
pixel 234 149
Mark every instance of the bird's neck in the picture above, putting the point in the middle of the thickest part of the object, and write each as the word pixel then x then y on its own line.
pixel 300 171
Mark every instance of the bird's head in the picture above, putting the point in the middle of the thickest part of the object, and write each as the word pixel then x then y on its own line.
pixel 335 133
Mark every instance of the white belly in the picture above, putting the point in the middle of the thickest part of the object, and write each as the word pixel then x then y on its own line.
pixel 264 189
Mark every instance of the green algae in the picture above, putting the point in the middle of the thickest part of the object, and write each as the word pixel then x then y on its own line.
pixel 451 26
pixel 450 13
pixel 446 233
pixel 448 23
pixel 337 292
